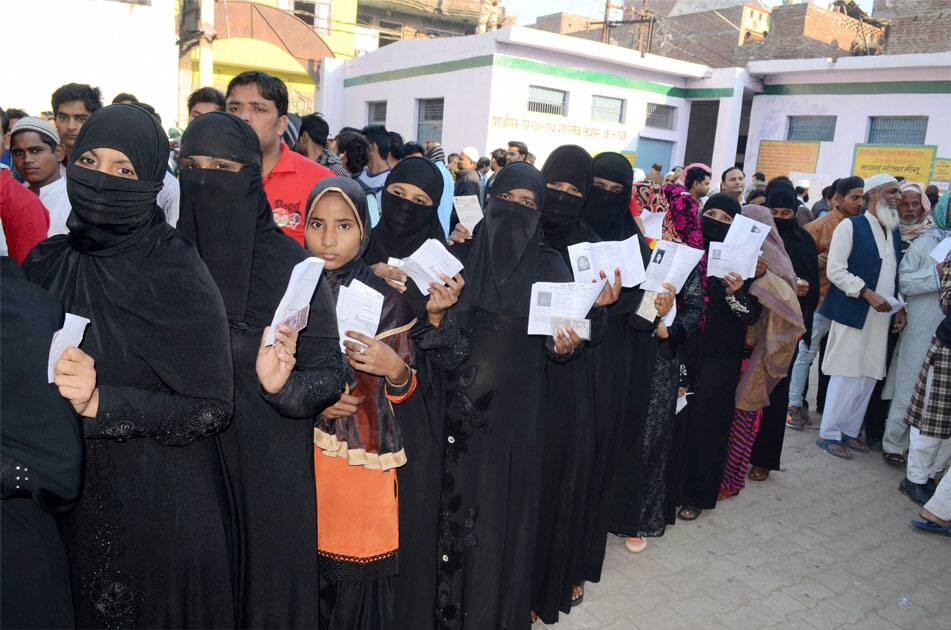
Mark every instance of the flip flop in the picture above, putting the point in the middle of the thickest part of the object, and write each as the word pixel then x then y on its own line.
pixel 854 443
pixel 928 526
pixel 827 445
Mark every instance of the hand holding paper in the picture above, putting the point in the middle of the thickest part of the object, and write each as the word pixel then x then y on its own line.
pixel 428 262
pixel 294 308
pixel 70 335
pixel 468 210
pixel 560 300
pixel 358 309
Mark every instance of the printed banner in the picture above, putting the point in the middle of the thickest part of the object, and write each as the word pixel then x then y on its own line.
pixel 782 157
pixel 911 161
pixel 942 170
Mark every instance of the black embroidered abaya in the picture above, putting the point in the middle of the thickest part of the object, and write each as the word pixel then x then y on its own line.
pixel 268 449
pixel 494 405
pixel 148 540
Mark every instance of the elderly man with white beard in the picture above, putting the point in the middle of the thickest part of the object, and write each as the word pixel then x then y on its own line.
pixel 862 267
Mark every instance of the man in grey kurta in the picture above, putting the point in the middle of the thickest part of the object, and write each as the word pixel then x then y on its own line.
pixel 918 281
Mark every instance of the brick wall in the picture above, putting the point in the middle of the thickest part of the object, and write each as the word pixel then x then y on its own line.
pixel 928 31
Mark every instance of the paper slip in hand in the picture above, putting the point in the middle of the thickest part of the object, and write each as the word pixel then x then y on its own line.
pixel 70 335
pixel 648 311
pixel 294 308
pixel 588 260
pixel 747 233
pixel 358 309
pixel 724 259
pixel 582 327
pixel 653 224
pixel 468 210
pixel 896 305
pixel 940 253
pixel 426 263
pixel 560 300
pixel 670 263
pixel 394 262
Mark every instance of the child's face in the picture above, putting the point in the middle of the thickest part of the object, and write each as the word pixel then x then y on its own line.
pixel 332 231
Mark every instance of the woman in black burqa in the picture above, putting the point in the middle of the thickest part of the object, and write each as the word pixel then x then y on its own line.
pixel 147 541
pixel 408 218
pixel 268 449
pixel 494 402
pixel 568 439
pixel 41 461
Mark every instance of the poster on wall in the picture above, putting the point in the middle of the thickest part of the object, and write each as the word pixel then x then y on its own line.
pixel 782 157
pixel 942 172
pixel 911 161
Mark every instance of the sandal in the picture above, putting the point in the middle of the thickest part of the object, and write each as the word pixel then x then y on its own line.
pixel 726 493
pixel 689 513
pixel 577 595
pixel 758 473
pixel 855 444
pixel 834 447
pixel 894 459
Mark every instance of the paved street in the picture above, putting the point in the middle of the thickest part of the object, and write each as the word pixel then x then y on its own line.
pixel 824 543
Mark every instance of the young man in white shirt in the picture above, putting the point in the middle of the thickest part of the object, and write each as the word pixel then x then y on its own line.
pixel 37 153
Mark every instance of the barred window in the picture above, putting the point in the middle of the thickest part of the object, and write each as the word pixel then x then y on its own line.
pixel 429 122
pixel 376 113
pixel 547 100
pixel 897 129
pixel 811 128
pixel 607 108
pixel 661 116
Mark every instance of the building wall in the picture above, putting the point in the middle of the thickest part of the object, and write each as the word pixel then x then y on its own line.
pixel 115 46
pixel 769 115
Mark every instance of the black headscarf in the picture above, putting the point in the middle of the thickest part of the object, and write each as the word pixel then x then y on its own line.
pixel 143 286
pixel 228 217
pixel 505 256
pixel 353 194
pixel 110 213
pixel 713 230
pixel 405 225
pixel 608 213
pixel 571 164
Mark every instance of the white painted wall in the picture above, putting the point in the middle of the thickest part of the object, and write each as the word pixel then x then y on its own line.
pixel 769 121
pixel 115 46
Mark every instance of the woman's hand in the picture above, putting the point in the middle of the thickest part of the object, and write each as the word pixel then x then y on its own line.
pixel 566 340
pixel 733 282
pixel 275 363
pixel 392 275
pixel 442 297
pixel 75 377
pixel 611 292
pixel 760 266
pixel 802 287
pixel 460 234
pixel 664 301
pixel 345 406
pixel 372 356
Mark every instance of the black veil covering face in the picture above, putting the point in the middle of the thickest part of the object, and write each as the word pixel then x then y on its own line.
pixel 405 225
pixel 504 259
pixel 228 217
pixel 609 213
pixel 159 338
pixel 713 230
pixel 571 164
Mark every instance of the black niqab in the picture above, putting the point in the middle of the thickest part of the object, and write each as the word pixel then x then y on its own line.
pixel 404 225
pixel 570 164
pixel 228 217
pixel 110 213
pixel 609 213
pixel 504 260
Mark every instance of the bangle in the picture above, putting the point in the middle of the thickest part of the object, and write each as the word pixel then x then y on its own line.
pixel 403 385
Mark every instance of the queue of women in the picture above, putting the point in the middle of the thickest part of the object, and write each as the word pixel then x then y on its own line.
pixel 451 471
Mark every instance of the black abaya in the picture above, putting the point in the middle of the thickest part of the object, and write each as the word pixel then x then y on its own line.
pixel 41 460
pixel 714 375
pixel 147 541
pixel 267 452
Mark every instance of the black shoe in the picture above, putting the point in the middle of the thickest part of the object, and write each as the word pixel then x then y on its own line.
pixel 917 492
